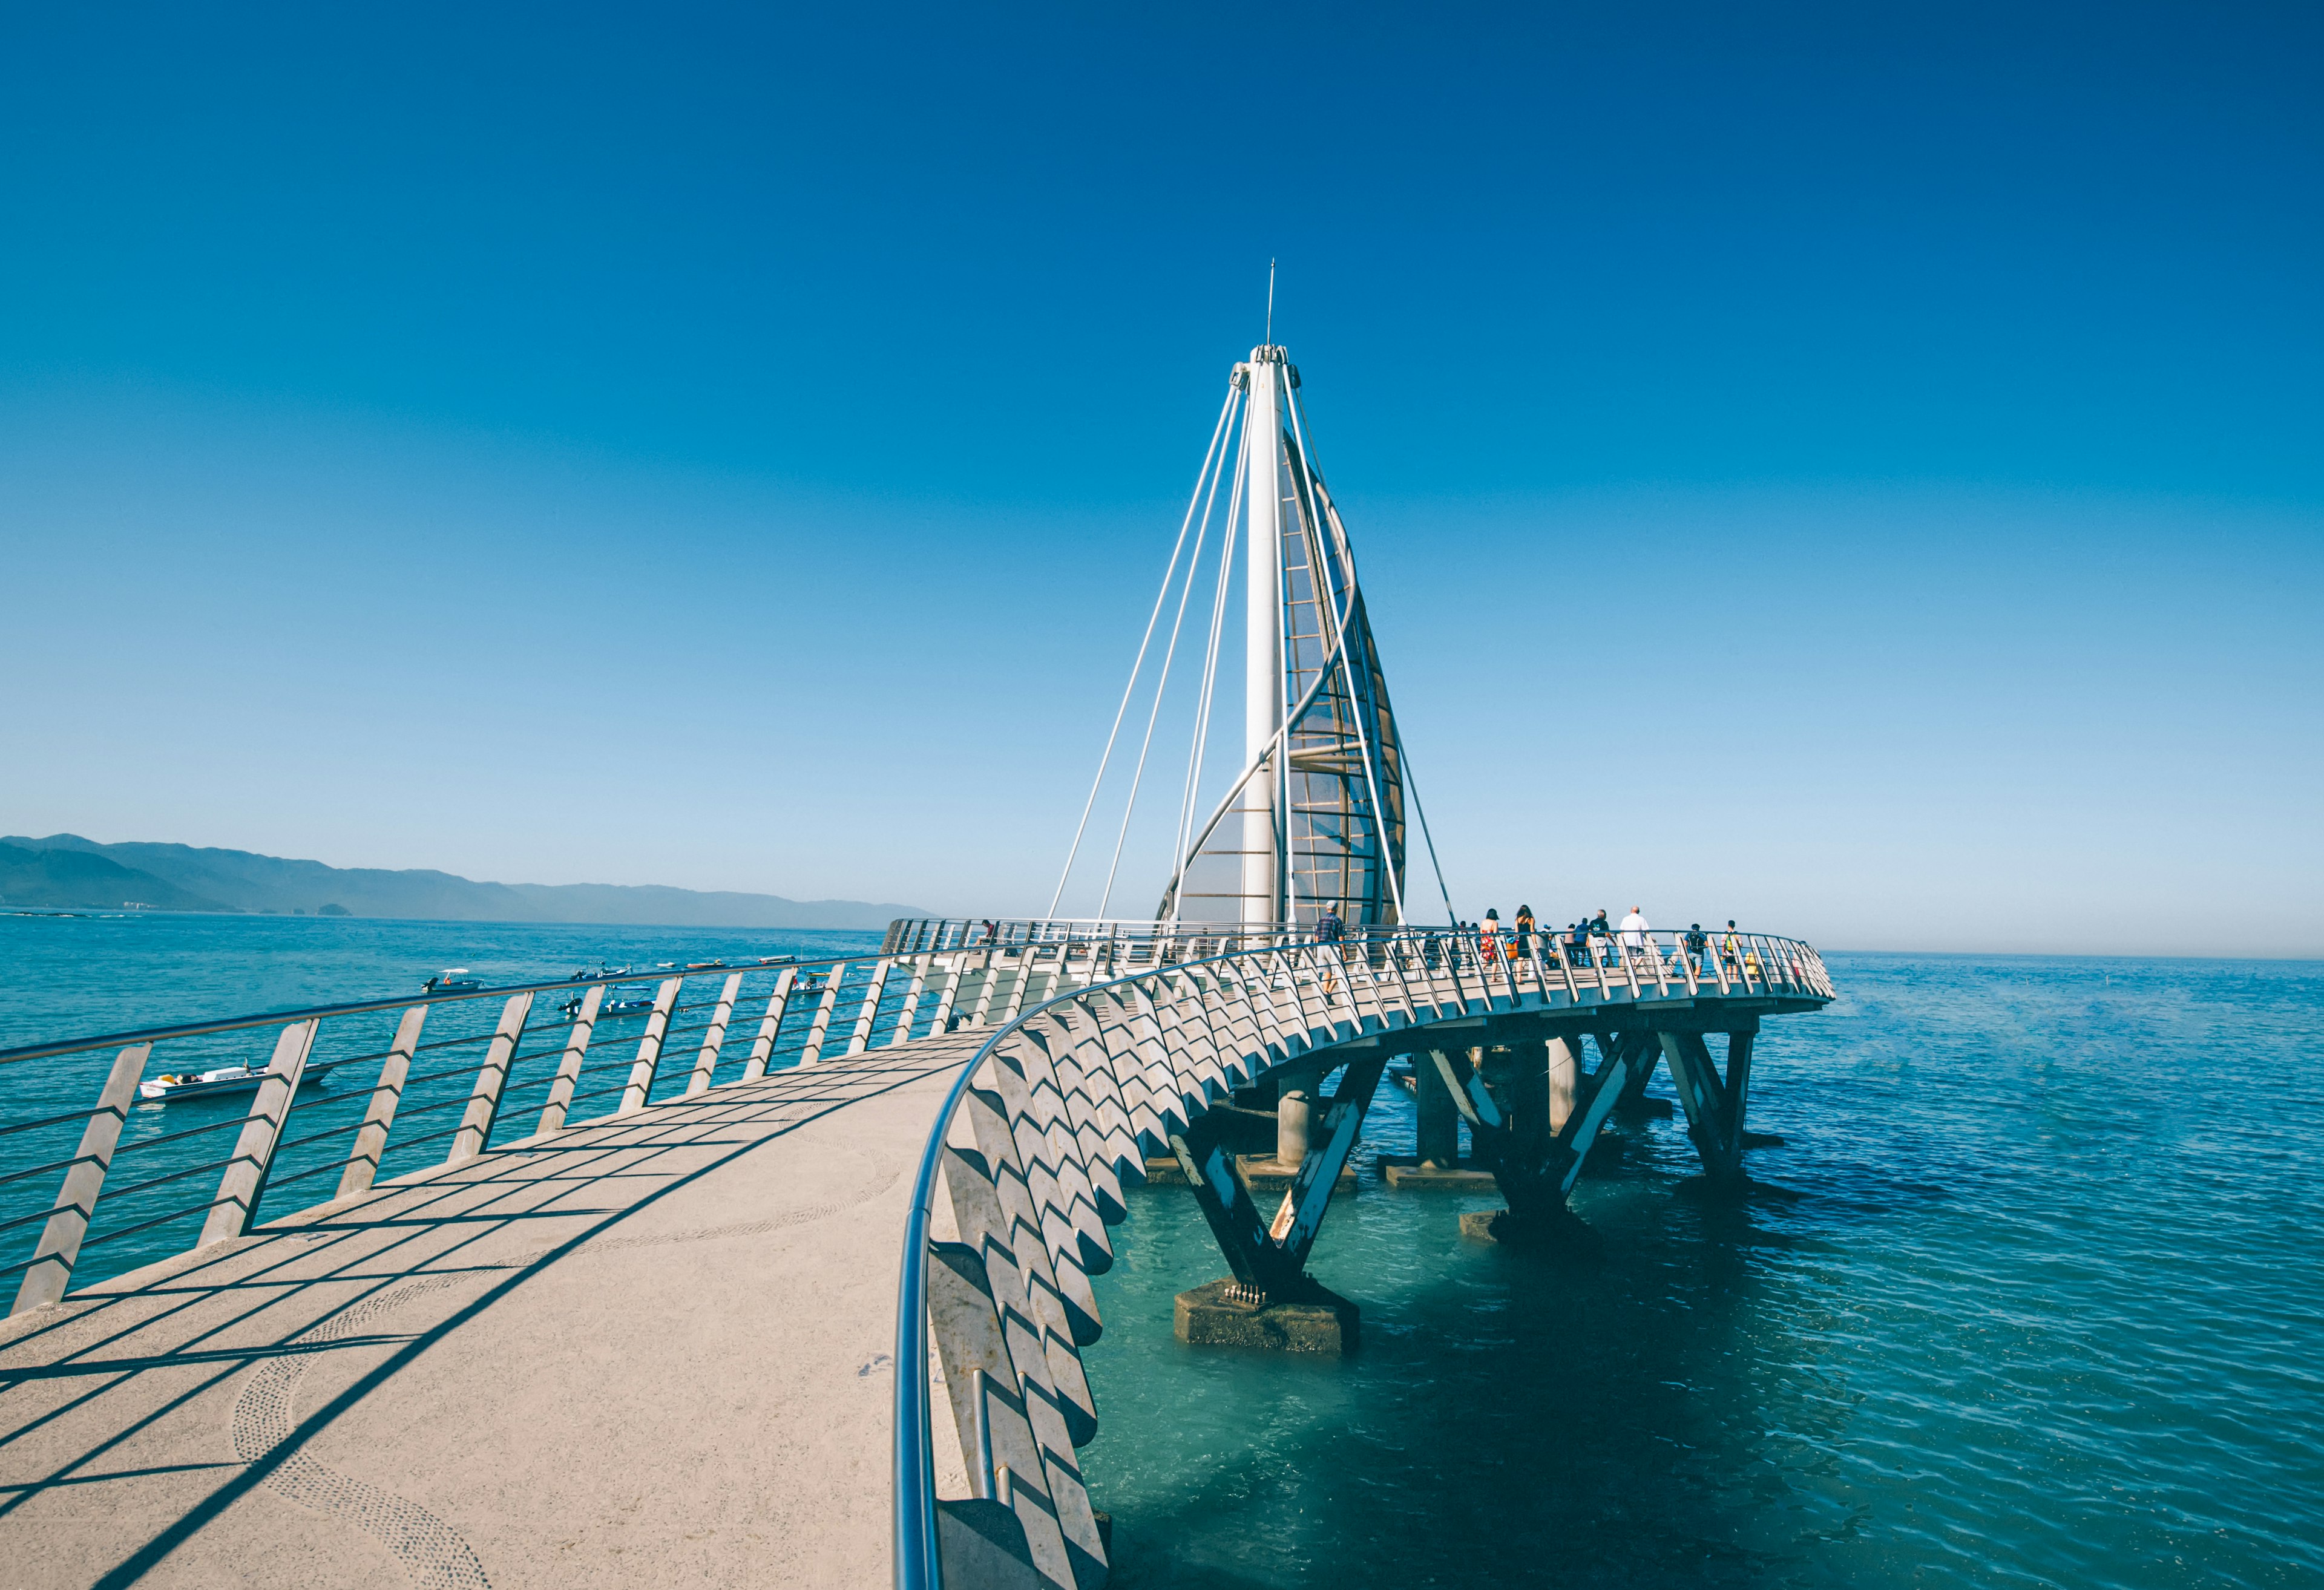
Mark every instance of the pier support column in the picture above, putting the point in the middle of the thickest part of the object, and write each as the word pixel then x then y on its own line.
pixel 1437 1138
pixel 1535 1164
pixel 1714 1104
pixel 1634 1105
pixel 1294 1108
pixel 1270 1300
pixel 1564 1071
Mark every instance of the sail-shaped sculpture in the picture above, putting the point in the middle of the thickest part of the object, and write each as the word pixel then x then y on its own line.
pixel 1316 817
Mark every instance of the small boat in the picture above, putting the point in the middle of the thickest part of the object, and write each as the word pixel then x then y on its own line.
pixel 452 979
pixel 233 1079
pixel 641 1006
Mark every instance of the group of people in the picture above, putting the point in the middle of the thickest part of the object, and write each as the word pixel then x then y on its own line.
pixel 1593 942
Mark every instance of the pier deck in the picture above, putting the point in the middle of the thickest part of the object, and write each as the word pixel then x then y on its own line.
pixel 648 1350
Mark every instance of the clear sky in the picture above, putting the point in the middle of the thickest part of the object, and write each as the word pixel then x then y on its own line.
pixel 1857 470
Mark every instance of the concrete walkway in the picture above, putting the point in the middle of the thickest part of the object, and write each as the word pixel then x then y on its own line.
pixel 647 1353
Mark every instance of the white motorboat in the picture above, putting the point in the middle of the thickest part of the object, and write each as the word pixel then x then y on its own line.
pixel 233 1079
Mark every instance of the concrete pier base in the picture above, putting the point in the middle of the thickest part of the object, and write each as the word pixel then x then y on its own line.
pixel 1217 1316
pixel 1407 1173
pixel 1260 1175
pixel 1566 1232
pixel 1270 1175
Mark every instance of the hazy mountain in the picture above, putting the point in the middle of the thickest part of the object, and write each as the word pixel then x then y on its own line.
pixel 240 881
pixel 79 880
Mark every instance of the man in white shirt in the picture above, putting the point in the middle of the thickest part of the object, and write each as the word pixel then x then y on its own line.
pixel 1634 934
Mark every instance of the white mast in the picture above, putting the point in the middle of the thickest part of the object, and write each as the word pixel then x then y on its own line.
pixel 1263 833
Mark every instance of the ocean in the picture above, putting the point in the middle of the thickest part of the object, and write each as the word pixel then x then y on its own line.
pixel 2029 1294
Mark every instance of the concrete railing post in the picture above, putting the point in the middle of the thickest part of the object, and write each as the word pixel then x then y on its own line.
pixel 244 1181
pixel 648 1060
pixel 705 1064
pixel 379 1114
pixel 821 1022
pixel 770 1026
pixel 860 1039
pixel 903 1034
pixel 569 1066
pixel 476 1132
pixel 60 1245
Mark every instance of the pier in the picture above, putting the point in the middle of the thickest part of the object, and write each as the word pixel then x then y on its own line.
pixel 662 1341
pixel 781 1269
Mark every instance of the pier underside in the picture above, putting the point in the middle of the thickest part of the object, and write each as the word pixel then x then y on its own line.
pixel 1535 1089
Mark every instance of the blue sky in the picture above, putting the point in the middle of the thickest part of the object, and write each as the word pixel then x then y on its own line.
pixel 1851 469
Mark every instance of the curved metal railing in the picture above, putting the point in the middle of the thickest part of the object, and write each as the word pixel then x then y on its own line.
pixel 1071 1093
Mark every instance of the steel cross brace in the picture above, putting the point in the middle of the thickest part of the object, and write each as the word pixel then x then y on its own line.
pixel 1270 1255
pixel 1537 1168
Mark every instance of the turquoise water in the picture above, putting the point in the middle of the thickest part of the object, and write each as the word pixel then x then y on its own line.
pixel 2030 1295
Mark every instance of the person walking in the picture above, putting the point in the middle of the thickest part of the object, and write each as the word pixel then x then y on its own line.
pixel 1525 931
pixel 1634 932
pixel 1726 950
pixel 1489 937
pixel 1698 947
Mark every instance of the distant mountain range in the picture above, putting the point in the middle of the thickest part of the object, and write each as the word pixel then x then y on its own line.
pixel 68 872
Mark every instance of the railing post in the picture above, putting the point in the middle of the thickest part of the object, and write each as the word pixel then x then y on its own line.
pixel 984 988
pixel 770 1026
pixel 569 1068
pixel 476 1132
pixel 942 1019
pixel 1016 989
pixel 75 1205
pixel 903 1034
pixel 244 1181
pixel 822 1022
pixel 648 1060
pixel 379 1115
pixel 706 1065
pixel 860 1039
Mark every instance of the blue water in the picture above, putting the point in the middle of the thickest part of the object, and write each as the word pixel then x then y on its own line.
pixel 2030 1294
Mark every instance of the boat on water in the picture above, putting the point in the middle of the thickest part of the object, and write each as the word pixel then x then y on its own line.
pixel 172 1086
pixel 453 980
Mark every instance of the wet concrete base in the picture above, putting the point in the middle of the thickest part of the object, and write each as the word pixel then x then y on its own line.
pixel 1215 1316
pixel 1566 1232
pixel 1260 1174
pixel 1405 1173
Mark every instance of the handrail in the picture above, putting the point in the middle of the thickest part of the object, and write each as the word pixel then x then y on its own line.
pixel 1757 960
pixel 398 1002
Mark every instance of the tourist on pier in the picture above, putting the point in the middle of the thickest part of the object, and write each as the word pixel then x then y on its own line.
pixel 1602 938
pixel 1698 947
pixel 1489 936
pixel 1329 928
pixel 1633 935
pixel 1577 943
pixel 1525 931
pixel 1727 951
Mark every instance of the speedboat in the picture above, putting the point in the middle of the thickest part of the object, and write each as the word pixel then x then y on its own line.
pixel 233 1079
pixel 452 979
